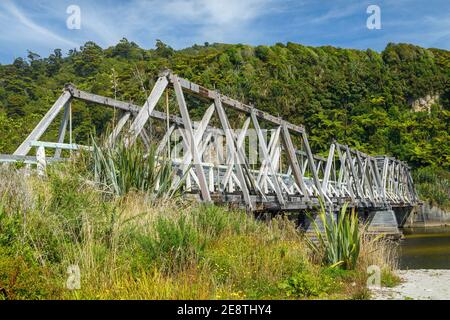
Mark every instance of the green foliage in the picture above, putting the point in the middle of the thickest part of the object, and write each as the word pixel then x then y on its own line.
pixel 389 279
pixel 20 279
pixel 130 247
pixel 433 185
pixel 68 203
pixel 213 221
pixel 253 263
pixel 174 242
pixel 361 98
pixel 340 241
pixel 307 284
pixel 9 226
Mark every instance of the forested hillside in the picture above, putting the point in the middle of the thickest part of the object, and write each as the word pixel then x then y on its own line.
pixel 361 98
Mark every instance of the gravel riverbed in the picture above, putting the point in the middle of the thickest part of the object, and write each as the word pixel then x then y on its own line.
pixel 422 284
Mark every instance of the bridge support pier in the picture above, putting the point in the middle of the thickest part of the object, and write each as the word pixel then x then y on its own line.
pixel 384 222
pixel 309 225
pixel 403 214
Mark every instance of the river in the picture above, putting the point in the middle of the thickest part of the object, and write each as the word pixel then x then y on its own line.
pixel 425 248
pixel 425 266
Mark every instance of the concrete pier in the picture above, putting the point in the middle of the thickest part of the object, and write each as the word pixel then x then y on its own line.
pixel 384 222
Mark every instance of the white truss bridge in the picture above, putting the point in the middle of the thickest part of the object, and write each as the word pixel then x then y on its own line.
pixel 288 176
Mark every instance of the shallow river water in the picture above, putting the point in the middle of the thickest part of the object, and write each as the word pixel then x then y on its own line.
pixel 425 248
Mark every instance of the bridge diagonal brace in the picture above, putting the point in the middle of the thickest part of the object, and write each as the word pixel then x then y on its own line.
pixel 42 126
pixel 274 153
pixel 313 167
pixel 385 177
pixel 118 128
pixel 344 176
pixel 202 145
pixel 263 145
pixel 379 180
pixel 145 139
pixel 198 135
pixel 353 172
pixel 63 128
pixel 165 140
pixel 206 196
pixel 365 182
pixel 329 165
pixel 239 144
pixel 375 180
pixel 146 111
pixel 293 161
pixel 272 150
pixel 234 151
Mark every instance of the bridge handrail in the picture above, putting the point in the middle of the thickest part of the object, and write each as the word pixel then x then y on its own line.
pixel 62 146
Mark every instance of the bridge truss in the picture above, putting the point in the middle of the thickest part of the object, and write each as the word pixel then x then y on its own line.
pixel 287 176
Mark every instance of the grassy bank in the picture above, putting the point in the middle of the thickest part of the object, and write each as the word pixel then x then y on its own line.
pixel 135 246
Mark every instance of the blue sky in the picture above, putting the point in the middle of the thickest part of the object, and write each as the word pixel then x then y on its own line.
pixel 40 25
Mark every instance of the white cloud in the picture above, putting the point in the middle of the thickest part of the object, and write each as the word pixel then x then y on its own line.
pixel 32 29
pixel 218 20
pixel 338 12
pixel 180 23
pixel 440 28
pixel 200 20
pixel 214 12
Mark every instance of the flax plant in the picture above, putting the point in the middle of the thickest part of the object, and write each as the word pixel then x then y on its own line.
pixel 339 242
pixel 122 169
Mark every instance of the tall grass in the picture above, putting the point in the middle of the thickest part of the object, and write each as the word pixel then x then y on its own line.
pixel 140 247
pixel 151 250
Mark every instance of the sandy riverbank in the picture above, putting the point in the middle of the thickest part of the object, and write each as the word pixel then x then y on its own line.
pixel 425 284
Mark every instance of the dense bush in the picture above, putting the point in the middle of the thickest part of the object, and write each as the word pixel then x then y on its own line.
pixel 361 98
pixel 433 185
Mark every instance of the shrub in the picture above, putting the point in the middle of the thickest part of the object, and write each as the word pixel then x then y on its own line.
pixel 10 226
pixel 20 278
pixel 389 279
pixel 136 247
pixel 433 184
pixel 306 284
pixel 214 220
